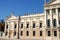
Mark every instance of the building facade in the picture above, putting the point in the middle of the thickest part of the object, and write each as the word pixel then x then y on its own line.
pixel 44 26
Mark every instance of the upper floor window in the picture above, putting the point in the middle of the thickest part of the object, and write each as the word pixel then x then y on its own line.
pixel 21 33
pixel 27 33
pixel 55 33
pixel 54 22
pixel 47 11
pixel 33 33
pixel 59 10
pixel 49 33
pixel 27 25
pixel 6 26
pixel 53 11
pixel 33 25
pixel 21 25
pixel 15 26
pixel 48 22
pixel 40 25
pixel 40 33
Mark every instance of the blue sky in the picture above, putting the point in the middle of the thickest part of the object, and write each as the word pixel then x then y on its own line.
pixel 20 7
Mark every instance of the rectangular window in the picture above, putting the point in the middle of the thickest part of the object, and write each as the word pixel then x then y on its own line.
pixel 27 25
pixel 33 33
pixel 53 11
pixel 48 23
pixel 6 26
pixel 15 26
pixel 47 11
pixel 40 25
pixel 21 25
pixel 58 10
pixel 21 33
pixel 55 33
pixel 27 33
pixel 59 22
pixel 6 33
pixel 48 33
pixel 33 25
pixel 40 33
pixel 1 34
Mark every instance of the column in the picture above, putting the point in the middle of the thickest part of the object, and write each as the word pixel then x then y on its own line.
pixel 51 22
pixel 45 18
pixel 45 24
pixel 57 21
pixel 51 18
pixel 57 17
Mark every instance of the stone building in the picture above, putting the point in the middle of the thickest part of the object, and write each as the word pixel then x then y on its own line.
pixel 44 26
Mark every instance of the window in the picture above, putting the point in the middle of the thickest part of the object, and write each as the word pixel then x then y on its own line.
pixel 6 33
pixel 21 25
pixel 54 22
pixel 47 11
pixel 27 33
pixel 1 34
pixel 48 33
pixel 27 25
pixel 15 26
pixel 14 33
pixel 59 10
pixel 21 33
pixel 59 22
pixel 33 25
pixel 48 22
pixel 40 33
pixel 55 33
pixel 33 33
pixel 40 25
pixel 7 27
pixel 53 11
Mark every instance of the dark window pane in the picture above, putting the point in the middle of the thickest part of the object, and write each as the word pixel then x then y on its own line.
pixel 47 11
pixel 33 25
pixel 48 22
pixel 48 33
pixel 27 25
pixel 15 26
pixel 21 33
pixel 6 33
pixel 55 33
pixel 59 10
pixel 27 33
pixel 54 22
pixel 14 33
pixel 21 25
pixel 59 22
pixel 40 33
pixel 33 33
pixel 40 25
pixel 7 27
pixel 53 11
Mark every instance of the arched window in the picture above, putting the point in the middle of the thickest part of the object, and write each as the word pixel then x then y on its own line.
pixel 54 22
pixel 48 22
